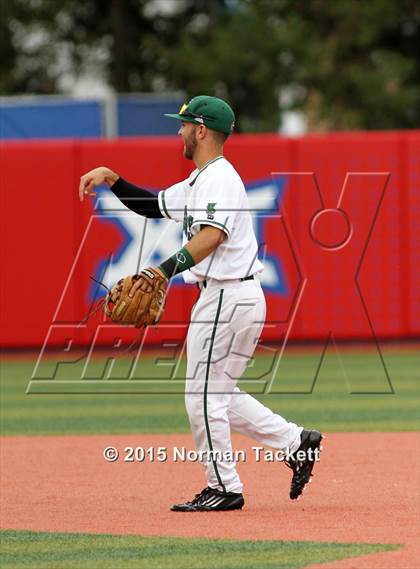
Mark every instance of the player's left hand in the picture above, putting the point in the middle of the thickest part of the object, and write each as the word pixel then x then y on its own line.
pixel 144 308
pixel 143 284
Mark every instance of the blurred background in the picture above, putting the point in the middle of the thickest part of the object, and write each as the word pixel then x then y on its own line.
pixel 285 66
pixel 327 98
pixel 329 89
pixel 327 142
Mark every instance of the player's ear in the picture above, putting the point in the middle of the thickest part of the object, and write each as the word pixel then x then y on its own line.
pixel 201 131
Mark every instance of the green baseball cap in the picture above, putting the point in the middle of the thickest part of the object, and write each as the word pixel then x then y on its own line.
pixel 213 112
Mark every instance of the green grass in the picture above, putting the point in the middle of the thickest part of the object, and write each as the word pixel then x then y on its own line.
pixel 39 550
pixel 329 404
pixel 332 405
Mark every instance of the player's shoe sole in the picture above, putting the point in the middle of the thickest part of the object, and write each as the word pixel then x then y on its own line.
pixel 210 500
pixel 303 461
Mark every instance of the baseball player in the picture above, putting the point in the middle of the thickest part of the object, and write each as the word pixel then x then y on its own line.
pixel 219 255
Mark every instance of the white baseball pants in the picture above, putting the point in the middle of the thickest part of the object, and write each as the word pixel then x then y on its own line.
pixel 226 323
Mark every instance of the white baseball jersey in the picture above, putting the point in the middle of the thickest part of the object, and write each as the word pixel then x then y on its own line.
pixel 215 195
pixel 226 322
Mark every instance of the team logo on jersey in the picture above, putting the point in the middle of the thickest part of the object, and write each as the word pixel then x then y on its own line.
pixel 150 245
pixel 187 223
pixel 210 210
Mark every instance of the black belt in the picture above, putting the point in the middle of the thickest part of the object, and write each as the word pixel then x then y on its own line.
pixel 204 283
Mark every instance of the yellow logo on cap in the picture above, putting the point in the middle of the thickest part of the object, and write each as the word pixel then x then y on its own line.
pixel 183 108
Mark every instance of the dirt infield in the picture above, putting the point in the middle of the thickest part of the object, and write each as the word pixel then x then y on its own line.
pixel 364 490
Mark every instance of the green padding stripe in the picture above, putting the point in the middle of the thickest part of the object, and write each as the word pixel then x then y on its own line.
pixel 164 205
pixel 216 470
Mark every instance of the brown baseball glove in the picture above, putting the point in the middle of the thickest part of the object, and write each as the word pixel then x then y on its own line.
pixel 144 308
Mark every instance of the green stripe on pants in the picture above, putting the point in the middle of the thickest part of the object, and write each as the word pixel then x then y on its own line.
pixel 216 320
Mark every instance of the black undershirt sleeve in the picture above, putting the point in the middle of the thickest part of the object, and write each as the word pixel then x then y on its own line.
pixel 137 199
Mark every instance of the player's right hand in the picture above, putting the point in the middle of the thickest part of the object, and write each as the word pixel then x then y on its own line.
pixel 94 178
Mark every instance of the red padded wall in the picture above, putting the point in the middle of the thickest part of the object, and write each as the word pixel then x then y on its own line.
pixel 348 286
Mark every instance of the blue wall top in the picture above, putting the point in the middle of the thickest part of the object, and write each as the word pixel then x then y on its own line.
pixel 146 117
pixel 61 117
pixel 58 119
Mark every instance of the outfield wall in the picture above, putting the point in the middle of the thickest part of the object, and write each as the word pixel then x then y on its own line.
pixel 60 116
pixel 337 224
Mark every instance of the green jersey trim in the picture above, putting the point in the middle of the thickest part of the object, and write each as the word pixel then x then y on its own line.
pixel 163 203
pixel 204 168
pixel 208 222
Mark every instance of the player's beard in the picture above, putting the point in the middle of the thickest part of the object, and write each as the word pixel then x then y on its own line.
pixel 190 144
